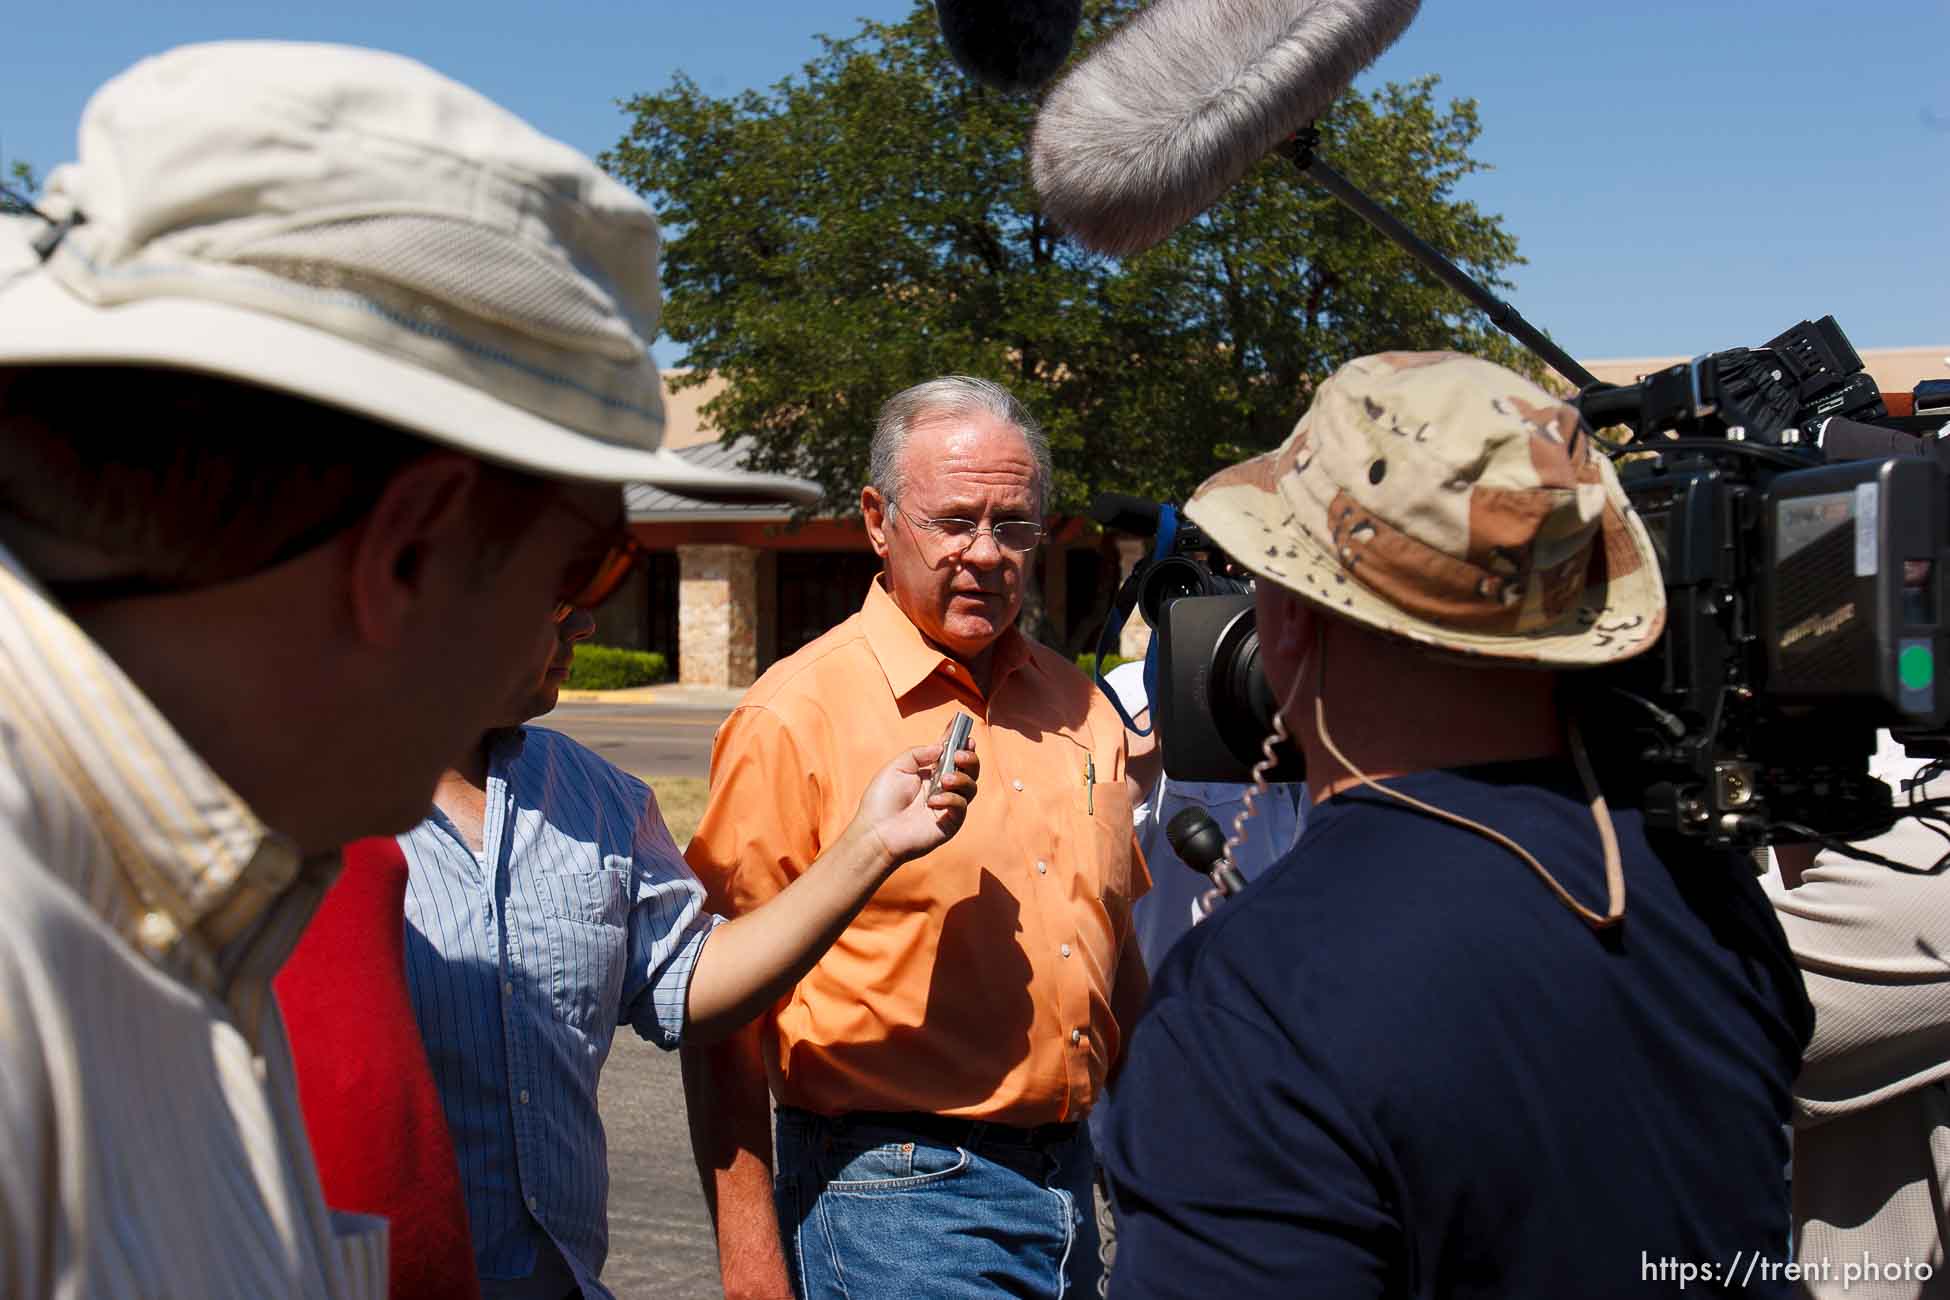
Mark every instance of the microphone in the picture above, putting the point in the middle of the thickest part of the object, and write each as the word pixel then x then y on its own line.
pixel 1197 839
pixel 1844 439
pixel 1175 106
pixel 1010 45
pixel 1125 513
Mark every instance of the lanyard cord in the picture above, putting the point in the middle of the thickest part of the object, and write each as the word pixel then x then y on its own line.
pixel 1113 629
pixel 1607 835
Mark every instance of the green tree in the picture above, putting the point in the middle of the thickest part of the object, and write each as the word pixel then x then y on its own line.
pixel 22 185
pixel 871 223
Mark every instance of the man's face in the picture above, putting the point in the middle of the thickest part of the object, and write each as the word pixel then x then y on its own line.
pixel 964 466
pixel 541 695
pixel 486 648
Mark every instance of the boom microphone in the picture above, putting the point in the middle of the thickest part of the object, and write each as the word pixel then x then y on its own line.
pixel 1144 134
pixel 1011 45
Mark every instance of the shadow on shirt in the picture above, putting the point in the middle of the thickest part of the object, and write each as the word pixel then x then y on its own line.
pixel 975 1029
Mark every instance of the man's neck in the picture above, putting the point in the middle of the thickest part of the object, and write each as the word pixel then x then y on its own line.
pixel 980 667
pixel 1391 710
pixel 461 794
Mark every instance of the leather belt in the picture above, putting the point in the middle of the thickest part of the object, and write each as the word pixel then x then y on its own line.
pixel 956 1130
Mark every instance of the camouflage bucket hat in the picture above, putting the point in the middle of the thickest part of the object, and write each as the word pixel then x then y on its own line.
pixel 1447 500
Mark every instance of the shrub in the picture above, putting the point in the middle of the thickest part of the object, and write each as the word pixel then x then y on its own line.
pixel 1085 659
pixel 608 668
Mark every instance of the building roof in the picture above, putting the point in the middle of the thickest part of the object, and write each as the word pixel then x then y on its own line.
pixel 651 505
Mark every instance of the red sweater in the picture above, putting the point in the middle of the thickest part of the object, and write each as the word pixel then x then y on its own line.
pixel 375 1121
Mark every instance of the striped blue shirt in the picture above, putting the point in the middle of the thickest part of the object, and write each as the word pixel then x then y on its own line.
pixel 578 915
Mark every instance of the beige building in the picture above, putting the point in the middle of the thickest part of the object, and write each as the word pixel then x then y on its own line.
pixel 728 590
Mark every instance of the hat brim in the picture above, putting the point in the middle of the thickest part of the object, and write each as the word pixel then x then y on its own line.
pixel 43 324
pixel 1244 513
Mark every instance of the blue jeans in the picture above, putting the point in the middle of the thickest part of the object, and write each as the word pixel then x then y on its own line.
pixel 874 1213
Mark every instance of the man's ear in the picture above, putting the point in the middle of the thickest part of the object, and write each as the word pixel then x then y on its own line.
pixel 417 527
pixel 1287 626
pixel 873 511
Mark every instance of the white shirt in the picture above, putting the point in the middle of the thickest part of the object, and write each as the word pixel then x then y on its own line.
pixel 151 1142
pixel 1162 916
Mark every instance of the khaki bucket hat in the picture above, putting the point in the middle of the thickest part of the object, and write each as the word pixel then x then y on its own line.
pixel 1446 500
pixel 351 227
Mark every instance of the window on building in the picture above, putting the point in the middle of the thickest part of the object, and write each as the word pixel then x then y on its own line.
pixel 818 590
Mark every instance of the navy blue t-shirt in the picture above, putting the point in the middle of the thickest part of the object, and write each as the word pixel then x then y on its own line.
pixel 1396 1065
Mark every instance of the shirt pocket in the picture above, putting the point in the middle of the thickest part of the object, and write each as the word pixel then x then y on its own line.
pixel 1098 813
pixel 1110 838
pixel 588 931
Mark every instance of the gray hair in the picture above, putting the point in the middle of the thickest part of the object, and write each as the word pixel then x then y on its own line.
pixel 950 395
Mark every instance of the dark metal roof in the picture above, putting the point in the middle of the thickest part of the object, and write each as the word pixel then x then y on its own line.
pixel 647 504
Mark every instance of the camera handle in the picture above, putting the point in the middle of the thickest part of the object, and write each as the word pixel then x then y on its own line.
pixel 1300 151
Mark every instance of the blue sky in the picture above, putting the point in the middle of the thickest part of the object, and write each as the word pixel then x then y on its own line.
pixel 1682 177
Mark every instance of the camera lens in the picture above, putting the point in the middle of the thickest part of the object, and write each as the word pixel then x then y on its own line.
pixel 1171 578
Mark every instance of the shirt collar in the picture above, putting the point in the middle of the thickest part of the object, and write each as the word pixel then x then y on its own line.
pixel 194 869
pixel 908 659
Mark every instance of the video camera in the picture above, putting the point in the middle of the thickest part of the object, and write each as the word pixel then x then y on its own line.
pixel 1802 531
pixel 1212 704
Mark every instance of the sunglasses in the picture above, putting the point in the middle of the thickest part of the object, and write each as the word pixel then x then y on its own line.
pixel 597 570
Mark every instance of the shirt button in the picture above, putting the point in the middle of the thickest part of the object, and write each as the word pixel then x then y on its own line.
pixel 1042 868
pixel 534 1202
pixel 1076 1036
pixel 156 931
pixel 1065 950
pixel 507 988
pixel 1017 784
pixel 524 1096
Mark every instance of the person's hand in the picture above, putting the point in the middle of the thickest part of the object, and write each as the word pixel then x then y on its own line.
pixel 899 810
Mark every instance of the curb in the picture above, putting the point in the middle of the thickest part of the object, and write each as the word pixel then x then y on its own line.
pixel 628 695
pixel 666 693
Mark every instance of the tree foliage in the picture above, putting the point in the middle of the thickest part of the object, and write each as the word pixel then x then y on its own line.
pixel 870 223
pixel 21 184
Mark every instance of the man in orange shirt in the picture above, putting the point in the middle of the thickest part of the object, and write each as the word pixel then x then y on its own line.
pixel 931 1071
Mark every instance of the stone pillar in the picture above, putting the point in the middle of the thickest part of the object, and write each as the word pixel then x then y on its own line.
pixel 717 615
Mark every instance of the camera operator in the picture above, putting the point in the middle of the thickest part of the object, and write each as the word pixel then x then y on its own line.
pixel 1872 1105
pixel 1433 1052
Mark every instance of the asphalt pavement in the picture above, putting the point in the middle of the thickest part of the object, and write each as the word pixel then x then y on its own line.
pixel 660 1242
pixel 666 735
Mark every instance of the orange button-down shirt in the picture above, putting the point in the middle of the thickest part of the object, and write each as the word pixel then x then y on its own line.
pixel 978 979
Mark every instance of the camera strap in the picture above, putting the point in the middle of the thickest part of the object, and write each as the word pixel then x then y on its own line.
pixel 1120 613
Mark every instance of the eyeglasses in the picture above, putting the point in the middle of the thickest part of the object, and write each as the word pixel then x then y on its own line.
pixel 596 571
pixel 958 535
